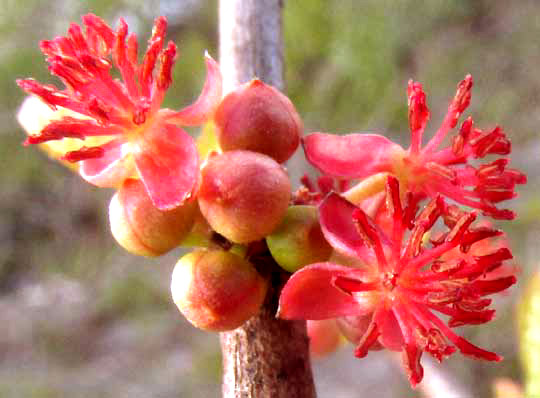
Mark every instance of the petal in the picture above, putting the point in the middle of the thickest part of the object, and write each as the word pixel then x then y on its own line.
pixel 310 294
pixel 350 156
pixel 391 336
pixel 111 169
pixel 202 109
pixel 168 164
pixel 336 218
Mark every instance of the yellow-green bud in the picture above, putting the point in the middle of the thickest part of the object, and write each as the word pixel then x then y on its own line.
pixel 141 228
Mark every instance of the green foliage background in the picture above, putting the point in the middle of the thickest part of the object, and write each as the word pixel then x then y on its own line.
pixel 79 317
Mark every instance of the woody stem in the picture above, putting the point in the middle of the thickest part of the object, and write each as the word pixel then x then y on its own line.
pixel 266 357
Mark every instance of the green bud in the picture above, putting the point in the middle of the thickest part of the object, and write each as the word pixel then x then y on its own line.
pixel 299 240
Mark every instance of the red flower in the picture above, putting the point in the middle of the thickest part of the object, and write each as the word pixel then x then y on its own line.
pixel 427 170
pixel 144 139
pixel 400 280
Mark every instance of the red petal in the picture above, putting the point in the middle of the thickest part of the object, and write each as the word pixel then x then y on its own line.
pixel 310 294
pixel 350 156
pixel 339 229
pixel 168 164
pixel 391 336
pixel 202 109
pixel 110 169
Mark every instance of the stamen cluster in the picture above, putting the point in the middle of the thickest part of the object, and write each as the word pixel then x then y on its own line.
pixel 399 279
pixel 138 138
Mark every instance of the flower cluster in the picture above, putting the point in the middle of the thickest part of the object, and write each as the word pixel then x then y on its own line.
pixel 368 256
pixel 170 191
pixel 394 266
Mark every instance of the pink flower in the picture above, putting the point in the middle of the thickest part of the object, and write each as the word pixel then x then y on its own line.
pixel 143 140
pixel 428 170
pixel 400 280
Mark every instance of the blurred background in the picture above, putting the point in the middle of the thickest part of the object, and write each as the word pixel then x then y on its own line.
pixel 80 317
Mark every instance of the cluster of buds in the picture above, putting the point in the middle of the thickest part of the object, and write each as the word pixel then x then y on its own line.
pixel 171 192
pixel 372 261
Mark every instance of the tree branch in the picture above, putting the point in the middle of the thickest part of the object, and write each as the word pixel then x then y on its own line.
pixel 266 357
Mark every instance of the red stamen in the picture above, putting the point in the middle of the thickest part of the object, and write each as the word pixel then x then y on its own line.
pixel 471 318
pixel 350 285
pixel 486 288
pixel 167 58
pixel 418 114
pixel 97 24
pixel 83 153
pixel 368 339
pixel 370 235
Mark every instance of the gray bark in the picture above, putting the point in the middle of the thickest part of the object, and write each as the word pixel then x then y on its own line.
pixel 266 357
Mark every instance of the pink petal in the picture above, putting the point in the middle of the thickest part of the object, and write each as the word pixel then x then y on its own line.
pixel 350 156
pixel 111 169
pixel 336 218
pixel 168 164
pixel 310 294
pixel 202 109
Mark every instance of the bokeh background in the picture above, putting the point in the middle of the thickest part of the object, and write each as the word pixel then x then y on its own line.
pixel 79 317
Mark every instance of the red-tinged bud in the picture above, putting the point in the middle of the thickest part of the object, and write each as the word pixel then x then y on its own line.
pixel 324 337
pixel 143 229
pixel 299 240
pixel 259 118
pixel 244 195
pixel 217 290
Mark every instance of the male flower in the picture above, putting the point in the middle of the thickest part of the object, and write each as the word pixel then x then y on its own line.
pixel 400 280
pixel 428 170
pixel 142 140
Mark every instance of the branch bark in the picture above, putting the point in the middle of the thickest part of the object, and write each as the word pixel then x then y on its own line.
pixel 251 42
pixel 266 357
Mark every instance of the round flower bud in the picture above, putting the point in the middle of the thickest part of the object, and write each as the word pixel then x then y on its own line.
pixel 217 290
pixel 243 195
pixel 141 228
pixel 299 240
pixel 259 118
pixel 324 337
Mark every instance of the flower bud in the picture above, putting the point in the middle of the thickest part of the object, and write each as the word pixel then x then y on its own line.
pixel 217 290
pixel 299 240
pixel 259 118
pixel 243 195
pixel 143 229
pixel 324 337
